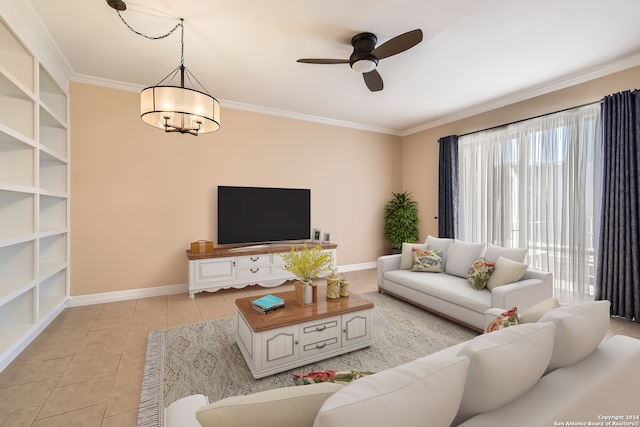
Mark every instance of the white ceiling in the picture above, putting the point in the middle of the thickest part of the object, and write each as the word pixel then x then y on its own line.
pixel 476 54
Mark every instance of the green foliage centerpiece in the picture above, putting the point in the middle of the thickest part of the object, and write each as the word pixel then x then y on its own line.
pixel 307 264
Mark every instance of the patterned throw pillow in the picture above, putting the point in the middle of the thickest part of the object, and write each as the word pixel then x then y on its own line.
pixel 427 260
pixel 506 319
pixel 328 376
pixel 479 273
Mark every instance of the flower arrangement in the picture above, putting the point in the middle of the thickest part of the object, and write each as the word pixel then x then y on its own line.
pixel 306 263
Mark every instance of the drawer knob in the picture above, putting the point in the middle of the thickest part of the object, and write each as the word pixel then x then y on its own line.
pixel 255 270
pixel 318 329
pixel 254 258
pixel 321 346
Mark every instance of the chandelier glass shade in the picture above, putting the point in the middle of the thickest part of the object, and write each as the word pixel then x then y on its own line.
pixel 171 107
pixel 179 109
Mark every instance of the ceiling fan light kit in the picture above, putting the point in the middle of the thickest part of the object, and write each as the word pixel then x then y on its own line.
pixel 366 55
pixel 176 108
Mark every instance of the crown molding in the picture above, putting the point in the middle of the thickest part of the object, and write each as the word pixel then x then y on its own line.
pixel 543 89
pixel 113 84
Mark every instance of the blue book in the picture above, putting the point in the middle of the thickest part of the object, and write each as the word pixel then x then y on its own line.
pixel 268 302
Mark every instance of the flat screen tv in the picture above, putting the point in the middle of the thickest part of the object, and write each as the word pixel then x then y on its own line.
pixel 262 215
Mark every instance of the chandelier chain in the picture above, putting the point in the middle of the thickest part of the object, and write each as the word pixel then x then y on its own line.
pixel 178 25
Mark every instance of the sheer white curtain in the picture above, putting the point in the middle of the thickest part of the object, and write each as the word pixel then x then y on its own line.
pixel 534 185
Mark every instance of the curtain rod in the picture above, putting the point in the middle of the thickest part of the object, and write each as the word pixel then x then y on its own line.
pixel 531 118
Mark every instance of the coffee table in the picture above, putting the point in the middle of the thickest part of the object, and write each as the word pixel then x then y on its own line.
pixel 297 335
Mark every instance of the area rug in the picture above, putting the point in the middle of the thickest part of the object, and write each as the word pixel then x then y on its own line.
pixel 203 358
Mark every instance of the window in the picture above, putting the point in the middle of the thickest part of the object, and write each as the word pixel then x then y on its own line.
pixel 533 185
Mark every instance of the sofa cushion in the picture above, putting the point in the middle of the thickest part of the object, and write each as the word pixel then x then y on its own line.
pixel 461 256
pixel 479 273
pixel 427 260
pixel 504 320
pixel 440 243
pixel 580 328
pixel 504 365
pixel 271 408
pixel 429 388
pixel 494 252
pixel 449 288
pixel 534 314
pixel 506 271
pixel 407 254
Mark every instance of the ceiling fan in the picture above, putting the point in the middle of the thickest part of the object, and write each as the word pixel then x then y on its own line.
pixel 366 55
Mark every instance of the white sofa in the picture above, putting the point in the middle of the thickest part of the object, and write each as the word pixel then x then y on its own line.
pixel 450 294
pixel 553 372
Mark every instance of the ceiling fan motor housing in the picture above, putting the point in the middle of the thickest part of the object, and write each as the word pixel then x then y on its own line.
pixel 361 59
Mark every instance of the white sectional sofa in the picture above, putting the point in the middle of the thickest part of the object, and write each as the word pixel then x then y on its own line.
pixel 449 293
pixel 555 371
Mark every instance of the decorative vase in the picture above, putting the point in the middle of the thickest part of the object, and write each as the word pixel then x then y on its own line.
pixel 333 287
pixel 306 292
pixel 344 287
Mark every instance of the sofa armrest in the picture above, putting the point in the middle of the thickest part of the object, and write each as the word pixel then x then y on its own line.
pixel 387 263
pixel 534 287
pixel 295 406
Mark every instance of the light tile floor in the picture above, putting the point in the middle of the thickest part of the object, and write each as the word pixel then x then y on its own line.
pixel 86 368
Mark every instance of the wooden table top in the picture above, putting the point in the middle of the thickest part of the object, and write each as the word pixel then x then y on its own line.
pixel 294 313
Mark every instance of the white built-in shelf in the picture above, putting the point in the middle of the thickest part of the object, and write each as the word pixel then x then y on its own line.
pixel 34 195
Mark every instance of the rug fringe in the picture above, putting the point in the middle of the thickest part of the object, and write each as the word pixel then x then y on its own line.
pixel 149 411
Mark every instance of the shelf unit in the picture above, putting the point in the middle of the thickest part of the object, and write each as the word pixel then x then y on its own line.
pixel 34 196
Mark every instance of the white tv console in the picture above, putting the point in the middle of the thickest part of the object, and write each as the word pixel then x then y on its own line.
pixel 239 267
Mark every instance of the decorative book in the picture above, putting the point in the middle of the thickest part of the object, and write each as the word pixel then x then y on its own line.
pixel 268 302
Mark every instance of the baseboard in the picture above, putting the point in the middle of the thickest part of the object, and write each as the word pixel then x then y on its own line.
pixel 80 300
pixel 105 297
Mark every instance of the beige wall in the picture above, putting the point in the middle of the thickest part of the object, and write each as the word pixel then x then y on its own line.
pixel 420 150
pixel 139 195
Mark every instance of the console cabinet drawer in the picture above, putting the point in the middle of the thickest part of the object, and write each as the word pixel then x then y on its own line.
pixel 249 273
pixel 254 260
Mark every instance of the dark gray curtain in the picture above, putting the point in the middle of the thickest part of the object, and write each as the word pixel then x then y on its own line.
pixel 618 252
pixel 448 187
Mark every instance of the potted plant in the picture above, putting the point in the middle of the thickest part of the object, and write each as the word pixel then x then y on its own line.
pixel 307 264
pixel 401 220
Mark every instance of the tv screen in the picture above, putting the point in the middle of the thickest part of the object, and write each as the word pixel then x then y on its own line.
pixel 259 214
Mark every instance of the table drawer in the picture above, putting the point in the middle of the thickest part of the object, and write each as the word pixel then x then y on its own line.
pixel 319 347
pixel 321 329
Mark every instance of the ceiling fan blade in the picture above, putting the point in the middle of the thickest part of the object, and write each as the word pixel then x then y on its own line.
pixel 398 44
pixel 322 61
pixel 373 80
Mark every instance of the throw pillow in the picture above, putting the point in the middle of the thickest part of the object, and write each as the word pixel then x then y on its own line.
pixel 440 243
pixel 250 410
pixel 426 260
pixel 580 328
pixel 328 375
pixel 504 365
pixel 506 319
pixel 534 314
pixel 461 256
pixel 506 271
pixel 479 273
pixel 494 252
pixel 429 388
pixel 407 254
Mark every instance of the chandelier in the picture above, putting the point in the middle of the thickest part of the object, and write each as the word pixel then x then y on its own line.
pixel 187 110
